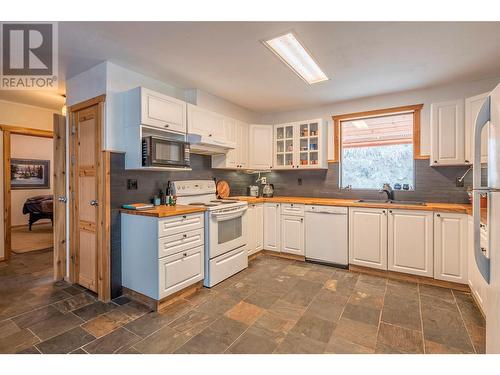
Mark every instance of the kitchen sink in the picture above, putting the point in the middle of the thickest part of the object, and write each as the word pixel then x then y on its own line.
pixel 378 201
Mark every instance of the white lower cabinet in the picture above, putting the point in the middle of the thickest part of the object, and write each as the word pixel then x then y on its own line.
pixel 292 234
pixel 450 247
pixel 477 284
pixel 272 227
pixel 166 257
pixel 410 242
pixel 368 237
pixel 255 230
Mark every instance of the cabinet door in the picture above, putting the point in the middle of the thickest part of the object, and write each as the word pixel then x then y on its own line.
pixel 231 158
pixel 410 242
pixel 250 230
pixel 368 237
pixel 476 282
pixel 447 133
pixel 242 144
pixel 205 123
pixel 260 155
pixel 292 234
pixel 162 111
pixel 272 229
pixel 285 146
pixel 259 227
pixel 472 107
pixel 450 247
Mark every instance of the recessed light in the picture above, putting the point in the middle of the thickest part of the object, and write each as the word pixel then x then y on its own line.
pixel 288 48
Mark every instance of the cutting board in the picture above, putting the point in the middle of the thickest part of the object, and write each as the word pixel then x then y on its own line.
pixel 223 189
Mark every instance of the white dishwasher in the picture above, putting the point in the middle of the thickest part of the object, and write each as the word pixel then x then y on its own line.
pixel 326 234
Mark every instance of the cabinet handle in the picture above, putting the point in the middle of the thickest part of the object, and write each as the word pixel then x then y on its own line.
pixel 482 226
pixel 483 249
pixel 467 161
pixel 167 126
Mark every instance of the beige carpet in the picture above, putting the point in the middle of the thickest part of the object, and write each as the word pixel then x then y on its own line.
pixel 39 238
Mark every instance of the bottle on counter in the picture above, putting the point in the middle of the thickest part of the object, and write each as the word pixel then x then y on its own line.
pixel 156 200
pixel 162 197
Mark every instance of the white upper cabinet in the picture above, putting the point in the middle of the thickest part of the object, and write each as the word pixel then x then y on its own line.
pixel 300 145
pixel 237 158
pixel 472 107
pixel 450 247
pixel 448 133
pixel 410 242
pixel 205 123
pixel 368 237
pixel 260 147
pixel 150 108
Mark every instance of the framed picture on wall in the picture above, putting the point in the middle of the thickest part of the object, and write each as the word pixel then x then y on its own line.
pixel 29 174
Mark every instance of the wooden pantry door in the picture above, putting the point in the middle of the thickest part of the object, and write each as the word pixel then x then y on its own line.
pixel 86 164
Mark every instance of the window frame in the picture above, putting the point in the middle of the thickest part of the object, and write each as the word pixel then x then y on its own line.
pixel 337 129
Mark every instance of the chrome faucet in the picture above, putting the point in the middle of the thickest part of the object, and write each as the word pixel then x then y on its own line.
pixel 388 190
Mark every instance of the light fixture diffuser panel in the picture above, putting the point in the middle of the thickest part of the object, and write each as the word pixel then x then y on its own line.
pixel 288 48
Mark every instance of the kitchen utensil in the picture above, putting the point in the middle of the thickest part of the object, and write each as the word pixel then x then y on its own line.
pixel 268 190
pixel 253 191
pixel 223 189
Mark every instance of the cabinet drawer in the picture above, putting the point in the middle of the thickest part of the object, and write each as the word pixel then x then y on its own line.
pixel 180 242
pixel 178 224
pixel 180 270
pixel 292 209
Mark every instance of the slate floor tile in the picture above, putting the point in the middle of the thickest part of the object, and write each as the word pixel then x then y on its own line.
pixel 402 311
pixel 361 313
pixel 252 343
pixel 31 318
pixel 244 312
pixel 339 345
pixel 55 325
pixel 192 323
pixel 114 342
pixel 65 342
pixel 164 341
pixel 394 339
pixel 314 328
pixel 298 344
pixel 89 312
pixel 357 332
pixel 105 323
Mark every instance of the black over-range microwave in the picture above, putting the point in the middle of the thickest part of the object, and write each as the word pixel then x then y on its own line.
pixel 162 152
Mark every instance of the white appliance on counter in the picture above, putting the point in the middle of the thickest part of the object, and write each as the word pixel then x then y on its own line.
pixel 326 222
pixel 489 267
pixel 225 223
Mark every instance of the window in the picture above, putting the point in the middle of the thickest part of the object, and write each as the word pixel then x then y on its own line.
pixel 378 147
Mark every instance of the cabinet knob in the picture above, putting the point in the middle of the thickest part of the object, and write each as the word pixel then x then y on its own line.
pixel 277 205
pixel 301 219
pixel 167 125
pixel 184 216
pixel 467 161
pixel 435 161
pixel 483 249
pixel 438 215
pixel 383 211
pixel 184 235
pixel 390 211
pixel 184 254
pixel 210 135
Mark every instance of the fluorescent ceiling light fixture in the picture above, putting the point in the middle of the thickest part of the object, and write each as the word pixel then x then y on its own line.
pixel 360 124
pixel 292 53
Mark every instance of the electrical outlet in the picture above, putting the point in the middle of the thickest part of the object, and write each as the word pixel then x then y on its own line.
pixel 263 180
pixel 131 184
pixel 299 181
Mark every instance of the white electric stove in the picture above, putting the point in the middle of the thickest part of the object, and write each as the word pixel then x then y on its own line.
pixel 225 229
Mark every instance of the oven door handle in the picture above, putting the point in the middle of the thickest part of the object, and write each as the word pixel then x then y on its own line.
pixel 222 216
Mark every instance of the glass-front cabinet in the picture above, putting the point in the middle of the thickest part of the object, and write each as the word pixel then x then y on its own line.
pixel 300 145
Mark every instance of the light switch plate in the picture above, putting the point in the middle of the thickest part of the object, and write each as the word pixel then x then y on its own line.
pixel 263 180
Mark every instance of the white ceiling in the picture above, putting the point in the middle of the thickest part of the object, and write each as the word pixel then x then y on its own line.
pixel 227 59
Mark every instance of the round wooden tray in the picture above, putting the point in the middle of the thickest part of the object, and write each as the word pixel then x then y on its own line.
pixel 223 189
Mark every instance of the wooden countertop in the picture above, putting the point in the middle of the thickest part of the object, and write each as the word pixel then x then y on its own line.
pixel 442 207
pixel 165 211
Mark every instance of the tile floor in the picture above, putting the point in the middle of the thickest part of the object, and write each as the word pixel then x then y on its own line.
pixel 274 306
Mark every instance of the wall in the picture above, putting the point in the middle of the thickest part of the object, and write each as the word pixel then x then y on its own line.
pixel 112 80
pixel 149 183
pixel 26 147
pixel 425 96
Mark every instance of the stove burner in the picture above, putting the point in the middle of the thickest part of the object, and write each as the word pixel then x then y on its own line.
pixel 203 204
pixel 223 201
